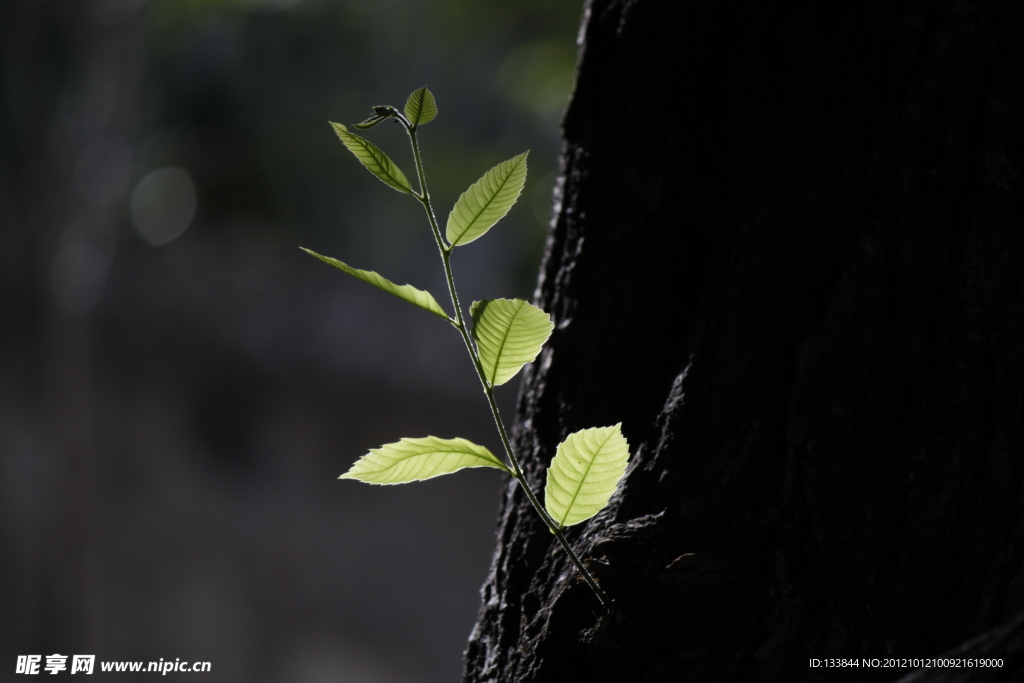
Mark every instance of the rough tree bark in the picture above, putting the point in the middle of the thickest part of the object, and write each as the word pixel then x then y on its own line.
pixel 787 256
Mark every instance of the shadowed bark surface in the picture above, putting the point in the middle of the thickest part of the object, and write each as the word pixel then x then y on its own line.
pixel 1004 642
pixel 787 257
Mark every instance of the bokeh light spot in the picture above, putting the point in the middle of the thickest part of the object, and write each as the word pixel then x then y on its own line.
pixel 163 205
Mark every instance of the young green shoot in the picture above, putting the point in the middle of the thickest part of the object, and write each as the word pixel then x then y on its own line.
pixel 505 335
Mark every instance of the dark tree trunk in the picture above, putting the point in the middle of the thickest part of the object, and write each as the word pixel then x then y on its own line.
pixel 787 257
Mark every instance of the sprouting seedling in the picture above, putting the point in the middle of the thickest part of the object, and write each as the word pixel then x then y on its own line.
pixel 506 334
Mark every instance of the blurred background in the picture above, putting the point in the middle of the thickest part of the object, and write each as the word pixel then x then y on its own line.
pixel 180 386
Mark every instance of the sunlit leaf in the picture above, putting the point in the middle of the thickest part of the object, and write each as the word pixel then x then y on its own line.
pixel 486 201
pixel 418 459
pixel 421 108
pixel 375 160
pixel 584 473
pixel 509 333
pixel 424 300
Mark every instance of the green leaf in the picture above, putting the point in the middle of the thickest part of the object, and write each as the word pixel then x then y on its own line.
pixel 584 473
pixel 421 108
pixel 424 300
pixel 486 201
pixel 370 122
pixel 376 161
pixel 509 333
pixel 417 459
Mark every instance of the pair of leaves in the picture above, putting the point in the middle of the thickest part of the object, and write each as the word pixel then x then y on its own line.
pixel 420 108
pixel 583 475
pixel 478 208
pixel 509 333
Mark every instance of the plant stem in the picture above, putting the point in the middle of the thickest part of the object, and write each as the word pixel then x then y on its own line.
pixel 460 324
